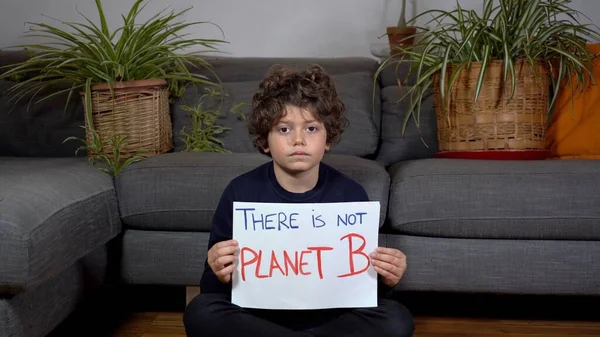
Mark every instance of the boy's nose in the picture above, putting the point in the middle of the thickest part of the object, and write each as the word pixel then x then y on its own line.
pixel 298 137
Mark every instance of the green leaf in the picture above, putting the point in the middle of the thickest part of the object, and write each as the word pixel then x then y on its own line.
pixel 77 53
pixel 102 18
pixel 534 31
pixel 482 73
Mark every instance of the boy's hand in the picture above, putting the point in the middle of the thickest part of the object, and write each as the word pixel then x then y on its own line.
pixel 390 264
pixel 221 259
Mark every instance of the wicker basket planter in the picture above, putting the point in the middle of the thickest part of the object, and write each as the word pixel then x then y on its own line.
pixel 139 111
pixel 493 123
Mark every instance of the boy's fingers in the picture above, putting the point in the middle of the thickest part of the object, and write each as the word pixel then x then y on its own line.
pixel 384 265
pixel 223 261
pixel 384 273
pixel 391 259
pixel 225 272
pixel 227 250
pixel 226 244
pixel 391 269
pixel 390 251
pixel 222 248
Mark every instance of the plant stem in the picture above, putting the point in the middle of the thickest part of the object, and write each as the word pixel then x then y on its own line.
pixel 402 19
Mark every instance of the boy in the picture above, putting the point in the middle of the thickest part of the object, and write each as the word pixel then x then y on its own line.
pixel 296 117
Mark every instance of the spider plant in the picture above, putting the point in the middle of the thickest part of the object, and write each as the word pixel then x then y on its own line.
pixel 512 31
pixel 204 132
pixel 402 22
pixel 402 18
pixel 112 164
pixel 89 53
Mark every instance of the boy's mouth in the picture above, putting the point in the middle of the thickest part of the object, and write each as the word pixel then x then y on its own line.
pixel 299 153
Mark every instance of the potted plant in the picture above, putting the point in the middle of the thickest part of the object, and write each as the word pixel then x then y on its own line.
pixel 204 132
pixel 125 77
pixel 496 74
pixel 401 34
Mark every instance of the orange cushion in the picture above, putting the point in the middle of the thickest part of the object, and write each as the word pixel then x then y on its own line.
pixel 574 129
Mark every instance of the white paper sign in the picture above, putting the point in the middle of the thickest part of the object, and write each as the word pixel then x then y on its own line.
pixel 305 256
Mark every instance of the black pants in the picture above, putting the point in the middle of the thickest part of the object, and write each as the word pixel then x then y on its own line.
pixel 213 315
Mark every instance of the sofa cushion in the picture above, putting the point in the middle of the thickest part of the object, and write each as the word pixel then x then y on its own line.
pixel 180 191
pixel 149 257
pixel 540 267
pixel 361 136
pixel 39 312
pixel 38 130
pixel 11 57
pixel 496 199
pixel 395 70
pixel 416 143
pixel 53 211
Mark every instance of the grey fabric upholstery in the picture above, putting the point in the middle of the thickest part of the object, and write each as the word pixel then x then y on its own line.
pixel 38 311
pixel 496 199
pixel 235 69
pixel 149 257
pixel 52 213
pixel 550 267
pixel 370 174
pixel 231 69
pixel 418 142
pixel 354 89
pixel 180 191
pixel 394 71
pixel 38 130
pixel 9 57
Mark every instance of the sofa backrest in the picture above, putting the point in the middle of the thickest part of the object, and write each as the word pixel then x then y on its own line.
pixel 353 78
pixel 373 128
pixel 418 141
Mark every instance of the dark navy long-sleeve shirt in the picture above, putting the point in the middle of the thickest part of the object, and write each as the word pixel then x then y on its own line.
pixel 260 185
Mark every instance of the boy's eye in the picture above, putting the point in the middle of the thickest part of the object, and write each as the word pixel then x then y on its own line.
pixel 284 129
pixel 312 128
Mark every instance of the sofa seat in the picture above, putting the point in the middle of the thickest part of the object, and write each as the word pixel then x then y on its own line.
pixel 53 212
pixel 455 198
pixel 180 191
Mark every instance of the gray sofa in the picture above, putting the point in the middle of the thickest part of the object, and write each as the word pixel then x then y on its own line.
pixel 466 226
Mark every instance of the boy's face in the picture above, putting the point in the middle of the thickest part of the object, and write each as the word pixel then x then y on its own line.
pixel 297 142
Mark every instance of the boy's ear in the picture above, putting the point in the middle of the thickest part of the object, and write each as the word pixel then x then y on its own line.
pixel 264 146
pixel 327 147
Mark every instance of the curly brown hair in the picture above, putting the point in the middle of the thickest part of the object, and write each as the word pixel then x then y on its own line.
pixel 310 89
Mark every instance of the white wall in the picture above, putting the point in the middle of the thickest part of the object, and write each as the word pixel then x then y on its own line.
pixel 261 28
pixel 591 8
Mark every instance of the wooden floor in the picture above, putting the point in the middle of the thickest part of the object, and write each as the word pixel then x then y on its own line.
pixel 170 325
pixel 152 312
